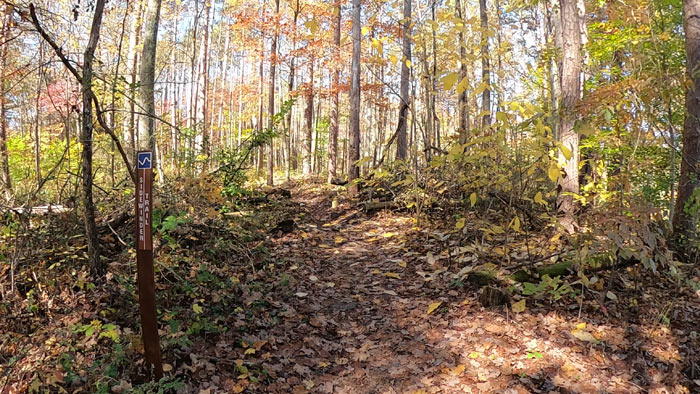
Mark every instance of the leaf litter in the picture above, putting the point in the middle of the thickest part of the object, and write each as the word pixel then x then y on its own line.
pixel 355 303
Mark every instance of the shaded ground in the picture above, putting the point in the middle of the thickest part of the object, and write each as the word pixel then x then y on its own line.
pixel 356 321
pixel 344 303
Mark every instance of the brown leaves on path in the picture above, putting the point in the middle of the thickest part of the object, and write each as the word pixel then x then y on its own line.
pixel 372 312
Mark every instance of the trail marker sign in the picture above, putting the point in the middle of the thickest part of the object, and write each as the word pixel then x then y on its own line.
pixel 144 262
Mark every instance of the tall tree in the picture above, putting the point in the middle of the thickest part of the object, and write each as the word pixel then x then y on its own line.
pixel 206 132
pixel 4 87
pixel 308 119
pixel 288 138
pixel 485 66
pixel 684 224
pixel 401 135
pixel 333 132
pixel 570 94
pixel 37 114
pixel 86 135
pixel 261 78
pixel 132 64
pixel 354 132
pixel 552 69
pixel 462 110
pixel 147 124
pixel 271 97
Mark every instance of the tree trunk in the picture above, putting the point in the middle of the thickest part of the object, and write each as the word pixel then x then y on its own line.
pixel 485 66
pixel 401 135
pixel 570 92
pixel 242 66
pixel 37 121
pixel 132 61
pixel 261 73
pixel 308 118
pixel 206 132
pixel 463 122
pixel 224 81
pixel 4 85
pixel 435 121
pixel 174 118
pixel 147 123
pixel 354 131
pixel 194 82
pixel 684 222
pixel 552 72
pixel 291 155
pixel 333 132
pixel 271 98
pixel 97 267
pixel 115 80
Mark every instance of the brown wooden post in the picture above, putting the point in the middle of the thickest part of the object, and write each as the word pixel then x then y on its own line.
pixel 144 263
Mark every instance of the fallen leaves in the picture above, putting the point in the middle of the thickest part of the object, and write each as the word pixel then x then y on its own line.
pixel 365 314
pixel 519 307
pixel 432 307
pixel 581 334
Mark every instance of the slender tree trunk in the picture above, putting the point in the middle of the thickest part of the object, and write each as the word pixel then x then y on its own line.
pixel 132 58
pixel 401 146
pixel 37 121
pixel 4 86
pixel 147 123
pixel 684 222
pixel 194 88
pixel 174 119
pixel 485 66
pixel 261 149
pixel 571 91
pixel 271 98
pixel 308 117
pixel 215 132
pixel 427 93
pixel 333 132
pixel 552 72
pixel 115 81
pixel 291 155
pixel 499 59
pixel 315 165
pixel 462 108
pixel 242 66
pixel 97 267
pixel 206 132
pixel 224 78
pixel 433 80
pixel 354 134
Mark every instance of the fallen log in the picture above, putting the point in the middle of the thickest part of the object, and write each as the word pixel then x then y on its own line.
pixel 39 210
pixel 486 276
pixel 339 181
pixel 379 205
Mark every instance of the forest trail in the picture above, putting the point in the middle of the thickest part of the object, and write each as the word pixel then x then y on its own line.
pixel 340 301
pixel 369 311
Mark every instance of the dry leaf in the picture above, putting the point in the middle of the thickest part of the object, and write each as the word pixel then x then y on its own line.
pixel 432 307
pixel 519 306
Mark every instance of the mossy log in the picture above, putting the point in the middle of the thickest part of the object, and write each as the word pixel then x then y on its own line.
pixel 488 274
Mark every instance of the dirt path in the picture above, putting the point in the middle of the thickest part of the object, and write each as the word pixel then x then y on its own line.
pixel 355 320
pixel 344 302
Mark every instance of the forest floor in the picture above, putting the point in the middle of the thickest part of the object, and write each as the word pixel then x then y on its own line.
pixel 342 301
